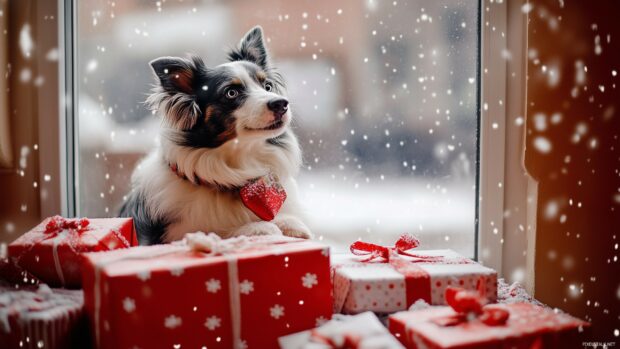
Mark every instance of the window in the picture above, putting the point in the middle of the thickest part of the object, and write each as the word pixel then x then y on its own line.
pixel 384 96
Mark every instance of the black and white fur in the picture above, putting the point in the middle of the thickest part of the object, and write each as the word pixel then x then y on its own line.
pixel 225 125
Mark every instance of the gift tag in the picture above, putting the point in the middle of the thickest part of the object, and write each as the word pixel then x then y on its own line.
pixel 264 196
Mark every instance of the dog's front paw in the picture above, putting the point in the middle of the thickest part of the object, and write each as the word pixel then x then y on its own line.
pixel 293 227
pixel 258 228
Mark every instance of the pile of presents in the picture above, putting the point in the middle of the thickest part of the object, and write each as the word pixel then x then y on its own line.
pixel 79 283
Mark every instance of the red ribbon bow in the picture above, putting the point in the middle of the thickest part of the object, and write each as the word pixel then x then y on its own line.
pixel 471 305
pixel 404 243
pixel 348 341
pixel 57 224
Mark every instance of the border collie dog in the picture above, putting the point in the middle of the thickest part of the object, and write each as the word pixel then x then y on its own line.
pixel 222 127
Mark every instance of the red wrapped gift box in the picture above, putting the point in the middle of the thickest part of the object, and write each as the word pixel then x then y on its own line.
pixel 468 324
pixel 40 317
pixel 237 293
pixel 51 250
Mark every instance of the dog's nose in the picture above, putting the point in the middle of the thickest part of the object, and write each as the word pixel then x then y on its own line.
pixel 278 106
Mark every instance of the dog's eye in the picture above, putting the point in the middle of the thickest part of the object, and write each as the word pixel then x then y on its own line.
pixel 268 86
pixel 232 93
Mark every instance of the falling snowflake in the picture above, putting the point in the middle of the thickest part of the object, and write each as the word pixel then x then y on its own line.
pixel 246 287
pixel 277 311
pixel 320 321
pixel 309 280
pixel 542 144
pixel 25 41
pixel 172 321
pixel 129 305
pixel 213 322
pixel 213 285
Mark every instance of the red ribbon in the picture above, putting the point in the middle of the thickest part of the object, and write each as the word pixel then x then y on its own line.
pixel 348 341
pixel 470 305
pixel 404 243
pixel 57 224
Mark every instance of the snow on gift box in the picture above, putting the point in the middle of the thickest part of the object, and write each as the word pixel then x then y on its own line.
pixel 468 323
pixel 242 292
pixel 51 250
pixel 391 279
pixel 40 317
pixel 361 331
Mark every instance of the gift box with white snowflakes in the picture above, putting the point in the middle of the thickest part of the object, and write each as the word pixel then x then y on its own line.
pixel 51 250
pixel 390 279
pixel 206 292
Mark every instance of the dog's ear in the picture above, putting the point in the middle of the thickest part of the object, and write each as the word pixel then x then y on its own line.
pixel 175 74
pixel 251 48
pixel 175 97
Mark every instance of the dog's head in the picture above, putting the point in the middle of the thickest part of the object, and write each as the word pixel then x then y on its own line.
pixel 206 107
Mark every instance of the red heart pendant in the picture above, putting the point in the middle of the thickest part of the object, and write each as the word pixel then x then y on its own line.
pixel 264 196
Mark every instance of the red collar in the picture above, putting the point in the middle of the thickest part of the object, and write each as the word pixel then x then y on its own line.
pixel 263 195
pixel 197 180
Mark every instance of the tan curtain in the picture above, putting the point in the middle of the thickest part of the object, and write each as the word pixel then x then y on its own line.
pixel 6 153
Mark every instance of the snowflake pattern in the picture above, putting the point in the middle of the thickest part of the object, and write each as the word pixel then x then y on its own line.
pixel 213 322
pixel 241 344
pixel 176 271
pixel 277 311
pixel 309 280
pixel 325 252
pixel 213 285
pixel 320 321
pixel 129 305
pixel 144 275
pixel 246 286
pixel 172 321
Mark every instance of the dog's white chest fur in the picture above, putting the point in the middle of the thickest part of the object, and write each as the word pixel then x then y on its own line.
pixel 189 207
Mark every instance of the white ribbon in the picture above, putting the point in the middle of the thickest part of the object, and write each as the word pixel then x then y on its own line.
pixel 57 240
pixel 212 244
pixel 235 300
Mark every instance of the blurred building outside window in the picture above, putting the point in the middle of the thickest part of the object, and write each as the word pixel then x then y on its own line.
pixel 383 95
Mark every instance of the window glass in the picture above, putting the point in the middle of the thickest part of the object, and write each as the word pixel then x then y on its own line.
pixel 383 94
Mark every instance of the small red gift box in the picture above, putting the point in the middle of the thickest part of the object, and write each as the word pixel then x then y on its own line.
pixel 391 279
pixel 469 324
pixel 42 318
pixel 51 250
pixel 242 292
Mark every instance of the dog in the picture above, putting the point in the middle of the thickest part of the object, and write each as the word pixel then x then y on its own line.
pixel 222 128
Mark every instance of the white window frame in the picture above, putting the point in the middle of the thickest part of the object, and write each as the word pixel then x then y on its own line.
pixel 503 209
pixel 507 194
pixel 67 126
